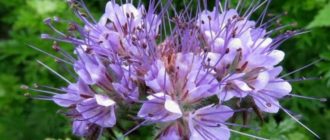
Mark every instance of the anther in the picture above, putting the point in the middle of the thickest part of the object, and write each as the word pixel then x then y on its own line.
pixel 35 85
pixel 47 21
pixel 295 24
pixel 205 50
pixel 56 46
pixel 209 17
pixel 227 50
pixel 27 94
pixel 72 27
pixel 56 19
pixel 25 87
pixel 44 36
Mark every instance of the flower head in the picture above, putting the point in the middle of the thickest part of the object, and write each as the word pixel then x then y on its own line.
pixel 128 66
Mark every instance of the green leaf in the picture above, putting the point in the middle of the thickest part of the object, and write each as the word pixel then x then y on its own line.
pixel 297 136
pixel 322 19
pixel 286 126
pixel 46 6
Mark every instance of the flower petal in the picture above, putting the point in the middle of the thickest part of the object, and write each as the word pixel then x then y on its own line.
pixel 172 107
pixel 66 100
pixel 104 100
pixel 278 89
pixel 266 103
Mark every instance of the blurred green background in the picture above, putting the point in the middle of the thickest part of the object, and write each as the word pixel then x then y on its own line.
pixel 23 118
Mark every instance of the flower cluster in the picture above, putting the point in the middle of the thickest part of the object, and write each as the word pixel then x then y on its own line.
pixel 181 81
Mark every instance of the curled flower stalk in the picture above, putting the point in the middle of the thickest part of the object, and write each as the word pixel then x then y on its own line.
pixel 179 71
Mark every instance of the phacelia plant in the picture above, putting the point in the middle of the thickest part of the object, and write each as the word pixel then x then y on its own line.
pixel 187 71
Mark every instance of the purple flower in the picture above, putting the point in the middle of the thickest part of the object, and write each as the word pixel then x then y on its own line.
pixel 209 123
pixel 179 87
pixel 81 128
pixel 86 108
pixel 267 98
pixel 157 78
pixel 160 108
pixel 243 58
pixel 173 72
pixel 99 110
pixel 75 93
pixel 91 69
pixel 174 131
pixel 125 82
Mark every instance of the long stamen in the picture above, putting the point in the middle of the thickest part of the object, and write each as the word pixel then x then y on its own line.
pixel 134 128
pixel 302 68
pixel 82 3
pixel 38 90
pixel 309 98
pixel 264 12
pixel 54 72
pixel 246 134
pixel 296 80
pixel 53 56
pixel 230 111
pixel 295 119
pixel 50 88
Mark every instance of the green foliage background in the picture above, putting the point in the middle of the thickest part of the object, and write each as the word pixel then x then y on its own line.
pixel 23 118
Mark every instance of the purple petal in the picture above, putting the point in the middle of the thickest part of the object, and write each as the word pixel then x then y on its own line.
pixel 273 73
pixel 172 132
pixel 226 95
pixel 66 100
pixel 278 89
pixel 266 103
pixel 208 123
pixel 261 81
pixel 275 57
pixel 161 108
pixel 219 113
pixel 104 100
pixel 242 85
pixel 94 113
pixel 81 128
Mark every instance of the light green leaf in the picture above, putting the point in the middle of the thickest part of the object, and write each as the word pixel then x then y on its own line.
pixel 297 136
pixel 46 6
pixel 322 19
pixel 286 126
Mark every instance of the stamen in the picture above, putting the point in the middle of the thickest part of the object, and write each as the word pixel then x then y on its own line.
pixel 212 113
pixel 238 4
pixel 53 56
pixel 296 80
pixel 302 68
pixel 242 126
pixel 264 12
pixel 257 7
pixel 250 8
pixel 308 97
pixel 246 134
pixel 295 119
pixel 48 23
pixel 38 90
pixel 52 88
pixel 280 28
pixel 54 72
pixel 134 128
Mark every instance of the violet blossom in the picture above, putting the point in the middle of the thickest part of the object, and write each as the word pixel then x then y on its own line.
pixel 174 71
